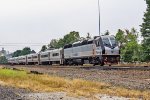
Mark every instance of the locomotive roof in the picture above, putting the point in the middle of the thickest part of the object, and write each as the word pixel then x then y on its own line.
pixel 31 54
pixel 77 42
pixel 21 56
pixel 107 36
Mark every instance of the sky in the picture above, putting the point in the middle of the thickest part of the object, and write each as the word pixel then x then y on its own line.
pixel 35 22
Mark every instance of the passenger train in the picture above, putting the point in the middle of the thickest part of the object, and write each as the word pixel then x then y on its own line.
pixel 98 51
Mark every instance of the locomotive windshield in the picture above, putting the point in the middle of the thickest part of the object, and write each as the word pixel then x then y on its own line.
pixel 106 41
pixel 113 41
pixel 109 42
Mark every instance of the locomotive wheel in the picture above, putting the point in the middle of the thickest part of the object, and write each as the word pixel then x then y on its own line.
pixel 82 62
pixel 102 63
pixel 70 62
pixel 66 62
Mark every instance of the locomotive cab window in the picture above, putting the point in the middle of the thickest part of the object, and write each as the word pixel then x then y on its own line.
pixel 106 41
pixel 84 42
pixel 68 46
pixel 98 43
pixel 89 42
pixel 113 41
pixel 77 44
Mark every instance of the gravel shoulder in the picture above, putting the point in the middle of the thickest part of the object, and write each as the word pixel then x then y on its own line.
pixel 63 96
pixel 9 93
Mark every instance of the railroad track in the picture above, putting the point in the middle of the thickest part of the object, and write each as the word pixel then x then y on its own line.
pixel 86 67
pixel 118 68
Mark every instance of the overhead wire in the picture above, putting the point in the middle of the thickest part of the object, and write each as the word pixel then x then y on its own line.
pixel 22 44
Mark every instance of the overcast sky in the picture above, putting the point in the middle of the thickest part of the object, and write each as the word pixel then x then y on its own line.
pixel 39 21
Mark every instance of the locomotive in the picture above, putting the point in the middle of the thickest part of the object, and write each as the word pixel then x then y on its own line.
pixel 98 51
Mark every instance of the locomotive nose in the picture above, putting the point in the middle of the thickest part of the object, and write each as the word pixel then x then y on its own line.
pixel 113 47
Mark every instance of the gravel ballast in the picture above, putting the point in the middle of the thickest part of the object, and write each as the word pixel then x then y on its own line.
pixel 9 93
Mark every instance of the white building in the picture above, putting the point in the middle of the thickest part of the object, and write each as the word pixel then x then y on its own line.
pixel 3 52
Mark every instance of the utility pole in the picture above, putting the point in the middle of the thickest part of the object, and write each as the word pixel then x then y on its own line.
pixel 99 18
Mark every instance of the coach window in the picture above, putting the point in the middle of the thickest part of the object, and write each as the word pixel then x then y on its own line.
pixel 44 56
pixel 34 57
pixel 29 57
pixel 55 54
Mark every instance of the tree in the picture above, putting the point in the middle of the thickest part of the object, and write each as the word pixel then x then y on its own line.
pixel 53 43
pixel 3 60
pixel 22 52
pixel 130 49
pixel 17 53
pixel 88 36
pixel 145 27
pixel 33 51
pixel 44 48
pixel 145 30
pixel 107 32
pixel 26 51
pixel 146 49
pixel 67 39
pixel 120 37
pixel 60 43
pixel 71 37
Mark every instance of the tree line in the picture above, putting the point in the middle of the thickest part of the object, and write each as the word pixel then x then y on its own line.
pixel 59 43
pixel 24 51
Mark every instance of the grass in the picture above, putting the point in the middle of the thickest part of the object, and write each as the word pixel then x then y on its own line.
pixel 76 87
